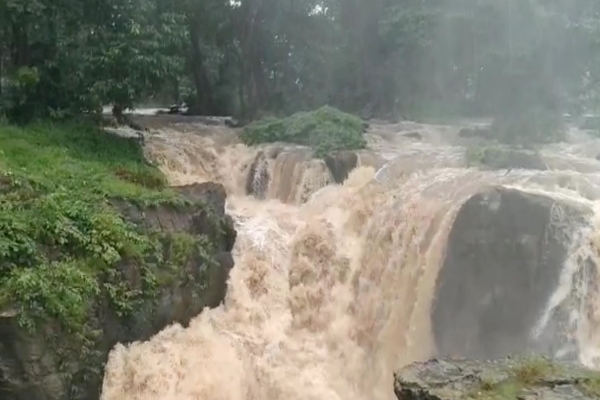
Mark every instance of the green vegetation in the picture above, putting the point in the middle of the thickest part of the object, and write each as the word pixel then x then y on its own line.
pixel 63 244
pixel 499 157
pixel 591 385
pixel 325 130
pixel 475 156
pixel 523 64
pixel 532 372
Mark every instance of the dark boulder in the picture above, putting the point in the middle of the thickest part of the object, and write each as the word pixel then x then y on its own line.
pixel 413 135
pixel 259 176
pixel 504 257
pixel 341 163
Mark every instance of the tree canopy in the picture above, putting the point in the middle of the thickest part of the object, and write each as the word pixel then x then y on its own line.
pixel 382 58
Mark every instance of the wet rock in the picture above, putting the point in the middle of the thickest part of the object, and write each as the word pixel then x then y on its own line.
pixel 175 109
pixel 257 181
pixel 341 163
pixel 502 379
pixel 279 172
pixel 413 135
pixel 232 122
pixel 44 365
pixel 504 257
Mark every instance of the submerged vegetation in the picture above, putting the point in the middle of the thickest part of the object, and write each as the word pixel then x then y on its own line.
pixel 501 157
pixel 63 244
pixel 326 129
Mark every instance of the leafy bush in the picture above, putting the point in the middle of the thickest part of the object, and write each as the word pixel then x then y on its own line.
pixel 61 241
pixel 326 129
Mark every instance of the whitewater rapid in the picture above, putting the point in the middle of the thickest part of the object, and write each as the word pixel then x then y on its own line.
pixel 333 284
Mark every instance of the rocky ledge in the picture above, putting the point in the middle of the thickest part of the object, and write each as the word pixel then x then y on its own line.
pixel 506 379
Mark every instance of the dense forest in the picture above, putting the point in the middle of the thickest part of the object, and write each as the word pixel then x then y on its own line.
pixel 534 60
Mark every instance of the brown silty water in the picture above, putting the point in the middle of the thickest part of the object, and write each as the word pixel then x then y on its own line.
pixel 333 284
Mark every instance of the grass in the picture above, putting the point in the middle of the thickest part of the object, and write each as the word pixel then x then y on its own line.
pixel 532 372
pixel 61 240
pixel 591 386
pixel 325 130
pixel 81 158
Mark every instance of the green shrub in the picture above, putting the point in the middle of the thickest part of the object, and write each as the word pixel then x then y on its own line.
pixel 62 243
pixel 325 130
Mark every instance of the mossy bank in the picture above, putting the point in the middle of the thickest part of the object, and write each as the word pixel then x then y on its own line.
pixel 95 249
pixel 521 378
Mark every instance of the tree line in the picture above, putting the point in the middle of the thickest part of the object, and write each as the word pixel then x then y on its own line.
pixel 528 59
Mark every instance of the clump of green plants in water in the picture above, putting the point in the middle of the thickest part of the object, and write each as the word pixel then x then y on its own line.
pixel 535 372
pixel 62 242
pixel 326 129
pixel 499 157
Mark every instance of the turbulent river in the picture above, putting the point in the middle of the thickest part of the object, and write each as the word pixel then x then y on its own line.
pixel 333 283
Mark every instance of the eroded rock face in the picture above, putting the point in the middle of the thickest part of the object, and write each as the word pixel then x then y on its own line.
pixel 257 181
pixel 292 174
pixel 45 366
pixel 504 256
pixel 502 379
pixel 340 164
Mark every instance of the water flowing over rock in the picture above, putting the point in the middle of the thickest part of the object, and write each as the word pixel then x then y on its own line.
pixel 257 183
pixel 455 379
pixel 289 174
pixel 335 284
pixel 341 164
pixel 292 175
pixel 504 259
pixel 33 368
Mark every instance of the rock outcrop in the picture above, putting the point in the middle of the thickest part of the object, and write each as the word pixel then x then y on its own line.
pixel 188 275
pixel 504 257
pixel 259 174
pixel 340 164
pixel 506 379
